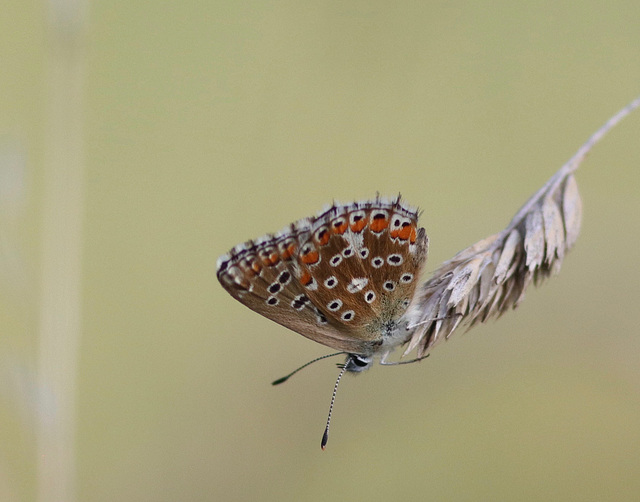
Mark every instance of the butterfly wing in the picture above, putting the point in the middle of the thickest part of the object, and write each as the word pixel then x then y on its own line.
pixel 361 265
pixel 340 278
pixel 261 275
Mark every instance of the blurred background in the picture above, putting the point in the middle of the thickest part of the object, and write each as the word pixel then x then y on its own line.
pixel 141 140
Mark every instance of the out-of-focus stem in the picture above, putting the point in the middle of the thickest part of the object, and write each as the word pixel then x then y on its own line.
pixel 60 302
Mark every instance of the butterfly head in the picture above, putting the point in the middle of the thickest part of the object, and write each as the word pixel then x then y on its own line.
pixel 356 363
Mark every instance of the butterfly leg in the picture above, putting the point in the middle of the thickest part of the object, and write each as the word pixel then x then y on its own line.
pixel 384 362
pixel 434 319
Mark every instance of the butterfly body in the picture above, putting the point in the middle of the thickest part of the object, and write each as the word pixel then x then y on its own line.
pixel 345 278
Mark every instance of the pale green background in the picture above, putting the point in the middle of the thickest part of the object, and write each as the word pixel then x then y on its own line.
pixel 207 123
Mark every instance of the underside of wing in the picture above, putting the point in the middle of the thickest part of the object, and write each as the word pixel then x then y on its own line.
pixel 261 276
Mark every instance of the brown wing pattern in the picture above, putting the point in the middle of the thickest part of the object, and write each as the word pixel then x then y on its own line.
pixel 318 276
pixel 362 264
pixel 262 276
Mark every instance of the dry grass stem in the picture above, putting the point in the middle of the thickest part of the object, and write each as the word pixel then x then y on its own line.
pixel 491 276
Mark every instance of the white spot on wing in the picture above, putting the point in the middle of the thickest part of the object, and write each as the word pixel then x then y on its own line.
pixel 348 315
pixel 355 240
pixel 377 262
pixel 330 282
pixel 406 278
pixel 357 284
pixel 334 305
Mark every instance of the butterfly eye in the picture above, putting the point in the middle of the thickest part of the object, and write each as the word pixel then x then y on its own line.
pixel 360 361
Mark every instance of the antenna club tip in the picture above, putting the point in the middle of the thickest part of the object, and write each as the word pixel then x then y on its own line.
pixel 279 381
pixel 325 440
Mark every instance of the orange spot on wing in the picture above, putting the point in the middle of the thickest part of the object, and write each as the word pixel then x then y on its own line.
pixel 289 251
pixel 340 228
pixel 267 256
pixel 274 258
pixel 306 279
pixel 256 266
pixel 379 224
pixel 405 232
pixel 310 258
pixel 238 278
pixel 413 235
pixel 357 226
pixel 323 237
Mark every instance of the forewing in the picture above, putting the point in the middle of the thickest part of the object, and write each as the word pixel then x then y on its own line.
pixel 334 278
pixel 361 265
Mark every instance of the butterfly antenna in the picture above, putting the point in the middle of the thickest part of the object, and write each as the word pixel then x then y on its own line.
pixel 325 436
pixel 285 378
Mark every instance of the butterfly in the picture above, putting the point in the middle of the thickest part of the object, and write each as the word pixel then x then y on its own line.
pixel 348 277
pixel 345 278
